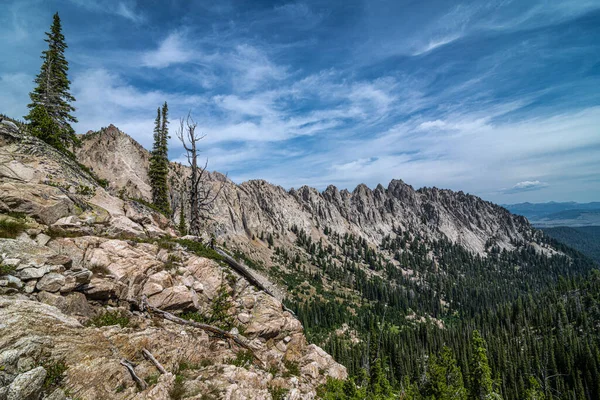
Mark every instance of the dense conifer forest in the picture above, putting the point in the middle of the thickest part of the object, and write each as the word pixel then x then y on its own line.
pixel 409 317
pixel 586 239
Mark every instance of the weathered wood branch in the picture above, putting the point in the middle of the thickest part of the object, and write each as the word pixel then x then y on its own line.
pixel 238 339
pixel 242 270
pixel 139 381
pixel 154 361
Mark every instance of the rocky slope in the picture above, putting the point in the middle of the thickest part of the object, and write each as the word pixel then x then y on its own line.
pixel 77 263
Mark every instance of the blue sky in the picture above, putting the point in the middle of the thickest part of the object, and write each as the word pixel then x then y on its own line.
pixel 496 98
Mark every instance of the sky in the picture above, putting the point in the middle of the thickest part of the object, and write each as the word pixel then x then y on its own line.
pixel 496 98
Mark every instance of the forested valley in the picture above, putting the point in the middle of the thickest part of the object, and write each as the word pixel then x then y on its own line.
pixel 420 318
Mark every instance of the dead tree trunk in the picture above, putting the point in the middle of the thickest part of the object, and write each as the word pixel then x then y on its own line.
pixel 201 194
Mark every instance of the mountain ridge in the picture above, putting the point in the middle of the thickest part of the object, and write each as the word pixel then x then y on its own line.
pixel 463 218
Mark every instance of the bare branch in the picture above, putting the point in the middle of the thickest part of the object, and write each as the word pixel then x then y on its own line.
pixel 154 361
pixel 139 381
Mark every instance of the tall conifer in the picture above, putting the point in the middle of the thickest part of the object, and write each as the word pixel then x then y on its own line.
pixel 159 161
pixel 50 112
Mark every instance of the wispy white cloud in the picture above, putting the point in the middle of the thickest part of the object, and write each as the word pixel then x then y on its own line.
pixel 123 8
pixel 172 50
pixel 526 186
pixel 438 42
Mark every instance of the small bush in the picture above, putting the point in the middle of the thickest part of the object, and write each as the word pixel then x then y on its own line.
pixel 200 249
pixel 278 393
pixel 178 389
pixel 173 261
pixel 206 362
pixel 273 370
pixel 243 358
pixel 103 183
pixel 152 379
pixel 6 269
pixel 109 318
pixel 54 373
pixel 85 190
pixel 11 227
pixel 293 369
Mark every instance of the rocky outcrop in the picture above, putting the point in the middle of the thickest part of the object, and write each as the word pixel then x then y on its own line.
pixel 119 159
pixel 256 206
pixel 75 269
pixel 119 273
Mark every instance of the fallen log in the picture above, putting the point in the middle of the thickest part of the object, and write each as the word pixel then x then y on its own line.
pixel 243 270
pixel 238 339
pixel 139 381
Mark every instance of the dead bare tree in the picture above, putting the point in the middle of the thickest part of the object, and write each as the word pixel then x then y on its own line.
pixel 201 193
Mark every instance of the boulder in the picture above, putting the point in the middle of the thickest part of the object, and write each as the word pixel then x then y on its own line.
pixel 76 304
pixel 122 226
pixel 51 282
pixel 11 262
pixel 52 299
pixel 30 286
pixel 105 289
pixel 173 298
pixel 74 279
pixel 14 281
pixel 58 394
pixel 42 239
pixel 44 203
pixel 31 273
pixel 269 320
pixel 244 318
pixel 60 259
pixel 27 386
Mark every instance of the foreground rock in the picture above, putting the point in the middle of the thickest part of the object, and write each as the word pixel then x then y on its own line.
pixel 119 273
pixel 77 261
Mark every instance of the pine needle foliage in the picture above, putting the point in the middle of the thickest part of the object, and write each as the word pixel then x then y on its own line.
pixel 159 161
pixel 50 111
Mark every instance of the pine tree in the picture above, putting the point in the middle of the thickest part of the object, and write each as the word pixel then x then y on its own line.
pixel 444 378
pixel 481 373
pixel 159 161
pixel 50 112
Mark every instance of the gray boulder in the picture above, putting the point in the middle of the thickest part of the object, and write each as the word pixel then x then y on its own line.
pixel 27 386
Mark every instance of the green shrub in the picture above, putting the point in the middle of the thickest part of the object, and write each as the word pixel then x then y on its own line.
pixel 110 318
pixel 54 373
pixel 11 227
pixel 172 262
pixel 243 358
pixel 178 389
pixel 85 190
pixel 200 249
pixel 219 313
pixel 278 393
pixel 152 379
pixel 6 269
pixel 293 369
pixel 102 182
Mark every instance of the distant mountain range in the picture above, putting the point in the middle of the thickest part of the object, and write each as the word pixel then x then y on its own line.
pixel 558 214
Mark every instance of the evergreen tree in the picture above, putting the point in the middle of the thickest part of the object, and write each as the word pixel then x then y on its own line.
pixel 535 390
pixel 159 161
pixel 50 112
pixel 444 378
pixel 481 373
